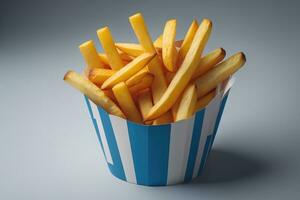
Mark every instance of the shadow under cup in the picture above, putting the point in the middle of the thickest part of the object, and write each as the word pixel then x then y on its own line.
pixel 158 155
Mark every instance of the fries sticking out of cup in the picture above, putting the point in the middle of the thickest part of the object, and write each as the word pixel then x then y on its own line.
pixel 154 82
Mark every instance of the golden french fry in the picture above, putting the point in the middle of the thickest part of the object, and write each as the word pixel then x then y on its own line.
pixel 130 69
pixel 158 42
pixel 92 92
pixel 126 102
pixel 169 51
pixel 219 73
pixel 209 61
pixel 110 94
pixel 187 104
pixel 146 82
pixel 203 101
pixel 187 42
pixel 184 73
pixel 155 66
pixel 144 101
pixel 98 75
pixel 90 55
pixel 131 49
pixel 109 47
pixel 135 79
pixel 164 119
pixel 170 76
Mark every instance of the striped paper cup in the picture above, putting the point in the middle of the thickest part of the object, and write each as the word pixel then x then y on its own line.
pixel 158 155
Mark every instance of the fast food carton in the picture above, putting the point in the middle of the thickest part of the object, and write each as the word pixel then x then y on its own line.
pixel 158 155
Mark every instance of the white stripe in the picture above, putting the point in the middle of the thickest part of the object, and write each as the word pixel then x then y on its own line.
pixel 106 150
pixel 209 120
pixel 180 142
pixel 122 138
pixel 229 85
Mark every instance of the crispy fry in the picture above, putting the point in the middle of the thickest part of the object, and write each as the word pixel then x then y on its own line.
pixel 98 75
pixel 146 82
pixel 144 101
pixel 158 42
pixel 170 76
pixel 187 104
pixel 203 101
pixel 110 94
pixel 155 66
pixel 218 74
pixel 109 47
pixel 135 79
pixel 164 119
pixel 185 72
pixel 131 49
pixel 187 42
pixel 169 52
pixel 92 92
pixel 90 55
pixel 126 102
pixel 209 61
pixel 126 72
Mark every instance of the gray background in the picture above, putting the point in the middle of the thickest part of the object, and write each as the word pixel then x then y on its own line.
pixel 48 148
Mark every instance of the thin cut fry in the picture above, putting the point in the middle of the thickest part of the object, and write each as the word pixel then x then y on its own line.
pixel 170 76
pixel 218 74
pixel 146 82
pixel 109 47
pixel 126 102
pixel 90 55
pixel 203 101
pixel 185 72
pixel 126 72
pixel 98 75
pixel 93 92
pixel 135 79
pixel 187 42
pixel 155 66
pixel 209 61
pixel 158 42
pixel 131 49
pixel 144 101
pixel 169 52
pixel 187 104
pixel 164 119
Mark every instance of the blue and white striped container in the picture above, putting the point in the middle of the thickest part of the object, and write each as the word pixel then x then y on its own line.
pixel 162 154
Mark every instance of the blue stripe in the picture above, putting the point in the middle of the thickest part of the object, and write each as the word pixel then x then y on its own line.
pixel 194 145
pixel 158 154
pixel 94 123
pixel 220 115
pixel 205 153
pixel 117 167
pixel 138 136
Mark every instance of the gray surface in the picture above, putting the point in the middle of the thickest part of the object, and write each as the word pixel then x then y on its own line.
pixel 48 148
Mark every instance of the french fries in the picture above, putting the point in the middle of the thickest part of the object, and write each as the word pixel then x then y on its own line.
pixel 93 92
pixel 109 47
pixel 144 100
pixel 221 72
pixel 187 104
pixel 185 72
pixel 158 82
pixel 187 42
pixel 203 101
pixel 126 72
pixel 146 82
pixel 90 55
pixel 126 102
pixel 99 75
pixel 169 52
pixel 137 78
pixel 209 61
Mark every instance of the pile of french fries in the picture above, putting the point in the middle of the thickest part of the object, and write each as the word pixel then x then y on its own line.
pixel 154 82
